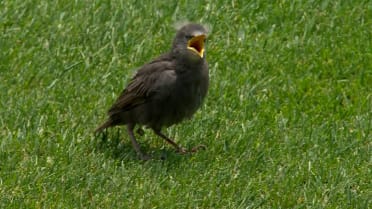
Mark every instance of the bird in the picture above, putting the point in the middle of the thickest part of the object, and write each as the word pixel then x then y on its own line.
pixel 166 90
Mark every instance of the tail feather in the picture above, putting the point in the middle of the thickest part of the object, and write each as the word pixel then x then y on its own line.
pixel 102 127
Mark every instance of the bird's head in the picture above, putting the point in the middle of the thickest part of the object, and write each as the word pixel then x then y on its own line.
pixel 190 41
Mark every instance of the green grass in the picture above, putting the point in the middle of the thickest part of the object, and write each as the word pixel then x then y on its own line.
pixel 287 120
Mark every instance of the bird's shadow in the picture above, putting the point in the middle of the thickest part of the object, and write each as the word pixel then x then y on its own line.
pixel 116 145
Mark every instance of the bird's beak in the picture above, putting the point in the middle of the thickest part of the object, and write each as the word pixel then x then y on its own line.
pixel 196 44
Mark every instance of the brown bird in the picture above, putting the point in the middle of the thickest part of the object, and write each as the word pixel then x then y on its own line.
pixel 166 90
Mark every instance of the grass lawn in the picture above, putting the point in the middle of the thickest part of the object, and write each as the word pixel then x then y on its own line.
pixel 287 120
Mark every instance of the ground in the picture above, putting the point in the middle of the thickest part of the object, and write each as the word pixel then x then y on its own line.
pixel 287 121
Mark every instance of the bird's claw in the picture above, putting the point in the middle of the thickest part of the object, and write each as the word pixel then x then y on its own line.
pixel 199 147
pixel 182 150
pixel 145 157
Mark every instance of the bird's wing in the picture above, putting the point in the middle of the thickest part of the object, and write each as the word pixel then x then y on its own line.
pixel 144 85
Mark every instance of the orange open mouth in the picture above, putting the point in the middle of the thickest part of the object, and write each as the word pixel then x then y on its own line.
pixel 196 44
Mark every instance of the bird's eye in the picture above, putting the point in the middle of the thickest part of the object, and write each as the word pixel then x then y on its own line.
pixel 189 37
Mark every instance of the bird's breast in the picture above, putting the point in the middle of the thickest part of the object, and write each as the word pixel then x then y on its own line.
pixel 178 101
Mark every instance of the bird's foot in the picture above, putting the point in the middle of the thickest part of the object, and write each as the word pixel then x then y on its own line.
pixel 199 147
pixel 144 157
pixel 182 150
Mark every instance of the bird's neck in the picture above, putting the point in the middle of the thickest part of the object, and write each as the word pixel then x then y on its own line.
pixel 191 66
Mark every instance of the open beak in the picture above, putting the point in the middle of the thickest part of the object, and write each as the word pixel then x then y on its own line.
pixel 196 44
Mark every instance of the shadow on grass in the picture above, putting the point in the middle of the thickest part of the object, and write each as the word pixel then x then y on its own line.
pixel 117 145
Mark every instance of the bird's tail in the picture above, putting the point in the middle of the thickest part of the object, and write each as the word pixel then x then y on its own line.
pixel 102 127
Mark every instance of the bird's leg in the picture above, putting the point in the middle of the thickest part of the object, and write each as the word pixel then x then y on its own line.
pixel 170 141
pixel 135 143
